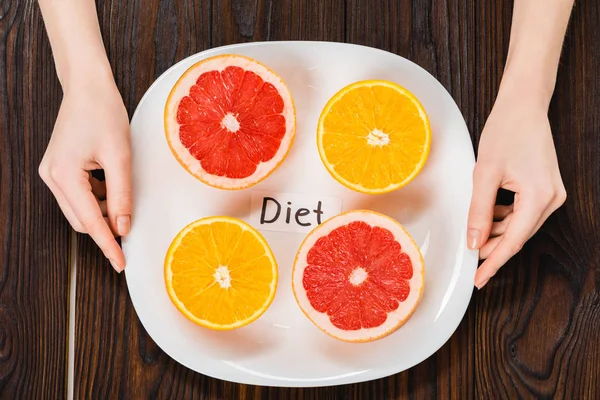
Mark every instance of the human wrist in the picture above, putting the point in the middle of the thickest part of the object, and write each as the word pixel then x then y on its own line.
pixel 523 86
pixel 78 78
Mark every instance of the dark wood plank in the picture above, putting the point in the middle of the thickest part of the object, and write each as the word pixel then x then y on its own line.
pixel 537 323
pixel 238 21
pixel 434 35
pixel 34 237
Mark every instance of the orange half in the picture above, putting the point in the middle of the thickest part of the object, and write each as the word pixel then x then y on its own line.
pixel 374 136
pixel 220 273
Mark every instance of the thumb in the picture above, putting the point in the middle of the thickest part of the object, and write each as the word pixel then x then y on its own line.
pixel 117 171
pixel 481 212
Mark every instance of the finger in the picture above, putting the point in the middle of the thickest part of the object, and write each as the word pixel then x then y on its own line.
pixel 525 218
pixel 481 213
pixel 115 234
pixel 102 205
pixel 64 206
pixel 78 192
pixel 117 170
pixel 98 188
pixel 501 212
pixel 498 228
pixel 488 247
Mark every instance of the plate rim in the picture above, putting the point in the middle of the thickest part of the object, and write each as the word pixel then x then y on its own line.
pixel 364 376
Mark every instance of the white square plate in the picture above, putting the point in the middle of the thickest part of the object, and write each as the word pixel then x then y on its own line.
pixel 282 348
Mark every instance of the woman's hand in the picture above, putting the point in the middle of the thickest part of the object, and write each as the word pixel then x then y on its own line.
pixel 92 132
pixel 516 153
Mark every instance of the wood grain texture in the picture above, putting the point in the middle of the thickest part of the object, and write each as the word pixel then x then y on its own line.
pixel 34 236
pixel 532 333
pixel 537 322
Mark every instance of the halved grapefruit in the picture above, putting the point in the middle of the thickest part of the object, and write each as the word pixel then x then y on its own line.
pixel 230 121
pixel 358 276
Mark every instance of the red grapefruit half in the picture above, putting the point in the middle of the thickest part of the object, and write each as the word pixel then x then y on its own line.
pixel 230 121
pixel 358 276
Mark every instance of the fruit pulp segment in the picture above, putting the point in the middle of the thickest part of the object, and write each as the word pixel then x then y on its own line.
pixel 220 252
pixel 374 136
pixel 335 284
pixel 231 121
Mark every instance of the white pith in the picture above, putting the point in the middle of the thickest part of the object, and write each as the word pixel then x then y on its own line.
pixel 395 318
pixel 219 63
pixel 378 138
pixel 358 276
pixel 222 277
pixel 230 123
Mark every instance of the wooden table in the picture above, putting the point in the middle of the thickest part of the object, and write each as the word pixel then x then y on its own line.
pixel 534 331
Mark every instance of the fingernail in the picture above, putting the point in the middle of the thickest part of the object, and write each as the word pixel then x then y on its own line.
pixel 115 266
pixel 473 238
pixel 123 224
pixel 480 285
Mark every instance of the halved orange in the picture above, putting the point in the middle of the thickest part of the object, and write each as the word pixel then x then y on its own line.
pixel 220 273
pixel 374 136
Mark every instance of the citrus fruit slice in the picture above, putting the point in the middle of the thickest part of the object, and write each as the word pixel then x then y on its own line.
pixel 230 121
pixel 374 136
pixel 220 273
pixel 358 276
